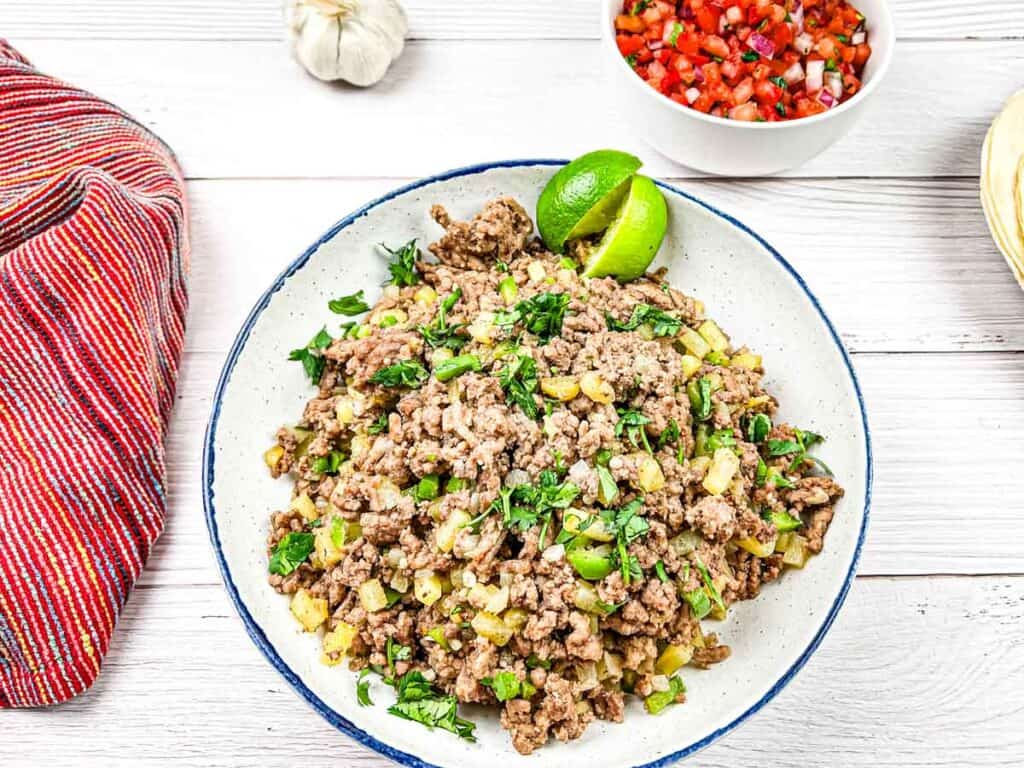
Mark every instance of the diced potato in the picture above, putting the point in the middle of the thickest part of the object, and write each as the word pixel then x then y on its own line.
pixel 273 455
pixel 595 531
pixel 586 676
pixel 310 611
pixel 359 445
pixel 585 598
pixel 482 327
pixel 388 493
pixel 596 388
pixel 650 478
pixel 388 317
pixel 566 276
pixel 446 531
pixel 685 542
pixel 700 464
pixel 338 641
pixel 690 365
pixel 489 626
pixel 372 596
pixel 646 331
pixel 695 343
pixel 714 336
pixel 345 410
pixel 782 543
pixel 441 355
pixel 536 271
pixel 479 594
pixel 757 548
pixel 392 292
pixel 425 296
pixel 672 658
pixel 498 601
pixel 698 307
pixel 609 667
pixel 327 551
pixel 796 554
pixel 746 360
pixel 305 507
pixel 427 587
pixel 515 618
pixel 724 465
pixel 563 388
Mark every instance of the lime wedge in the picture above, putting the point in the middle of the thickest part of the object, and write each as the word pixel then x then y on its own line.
pixel 583 196
pixel 634 235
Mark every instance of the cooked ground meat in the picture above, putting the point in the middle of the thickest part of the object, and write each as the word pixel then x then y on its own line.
pixel 530 488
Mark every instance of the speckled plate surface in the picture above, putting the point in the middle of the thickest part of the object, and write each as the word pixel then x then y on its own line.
pixel 752 292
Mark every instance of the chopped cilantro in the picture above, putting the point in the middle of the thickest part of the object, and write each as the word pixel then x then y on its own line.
pixel 349 305
pixel 291 552
pixel 403 264
pixel 363 689
pixel 327 465
pixel 440 333
pixel 662 322
pixel 541 315
pixel 519 380
pixel 406 373
pixel 507 686
pixel 631 424
pixel 420 702
pixel 379 425
pixel 310 356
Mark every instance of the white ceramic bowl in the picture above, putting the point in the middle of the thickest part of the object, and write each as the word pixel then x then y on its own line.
pixel 733 147
pixel 747 286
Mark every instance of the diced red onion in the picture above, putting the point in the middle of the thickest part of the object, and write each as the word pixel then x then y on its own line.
pixel 688 14
pixel 698 74
pixel 834 82
pixel 858 38
pixel 797 6
pixel 815 75
pixel 722 24
pixel 655 45
pixel 761 44
pixel 692 94
pixel 827 98
pixel 803 43
pixel 794 74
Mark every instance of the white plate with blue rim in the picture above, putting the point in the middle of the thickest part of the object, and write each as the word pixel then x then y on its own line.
pixel 754 294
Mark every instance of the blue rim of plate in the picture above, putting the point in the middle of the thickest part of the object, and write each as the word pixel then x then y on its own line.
pixel 260 638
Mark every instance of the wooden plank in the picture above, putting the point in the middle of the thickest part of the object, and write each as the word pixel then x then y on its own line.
pixel 919 274
pixel 447 104
pixel 945 427
pixel 440 19
pixel 914 672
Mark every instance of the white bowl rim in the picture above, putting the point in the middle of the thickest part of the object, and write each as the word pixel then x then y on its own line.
pixel 256 633
pixel 887 30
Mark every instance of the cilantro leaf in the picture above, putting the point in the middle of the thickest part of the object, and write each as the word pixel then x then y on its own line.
pixel 631 423
pixel 662 323
pixel 378 426
pixel 670 434
pixel 310 356
pixel 291 552
pixel 758 427
pixel 403 264
pixel 507 686
pixel 783 447
pixel 659 570
pixel 363 689
pixel 541 315
pixel 354 304
pixel 441 333
pixel 420 702
pixel 699 393
pixel 709 585
pixel 406 373
pixel 519 380
pixel 329 464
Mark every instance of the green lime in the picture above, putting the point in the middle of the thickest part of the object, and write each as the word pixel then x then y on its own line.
pixel 634 236
pixel 583 196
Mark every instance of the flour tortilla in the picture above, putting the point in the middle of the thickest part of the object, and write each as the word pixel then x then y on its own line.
pixel 1002 159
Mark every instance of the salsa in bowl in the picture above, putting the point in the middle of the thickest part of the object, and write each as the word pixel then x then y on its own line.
pixel 751 60
pixel 745 87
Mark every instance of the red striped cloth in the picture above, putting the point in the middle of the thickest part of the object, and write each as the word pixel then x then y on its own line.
pixel 93 255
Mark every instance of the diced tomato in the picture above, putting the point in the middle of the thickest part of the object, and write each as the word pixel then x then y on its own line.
pixel 782 36
pixel 767 92
pixel 707 18
pixel 629 44
pixel 626 23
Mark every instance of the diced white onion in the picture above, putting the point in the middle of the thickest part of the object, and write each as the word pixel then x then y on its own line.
pixel 797 16
pixel 804 43
pixel 516 477
pixel 554 553
pixel 692 94
pixel 794 74
pixel 815 75
pixel 858 38
pixel 834 82
pixel 660 683
pixel 655 45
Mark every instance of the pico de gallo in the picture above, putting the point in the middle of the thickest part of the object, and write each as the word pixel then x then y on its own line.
pixel 753 60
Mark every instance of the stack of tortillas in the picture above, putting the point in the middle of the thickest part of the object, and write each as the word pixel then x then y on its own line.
pixel 1002 183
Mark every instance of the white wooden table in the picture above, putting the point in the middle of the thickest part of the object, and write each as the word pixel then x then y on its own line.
pixel 925 666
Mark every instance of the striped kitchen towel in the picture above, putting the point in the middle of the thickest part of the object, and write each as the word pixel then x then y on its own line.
pixel 93 255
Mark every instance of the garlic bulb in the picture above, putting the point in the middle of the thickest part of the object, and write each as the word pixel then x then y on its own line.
pixel 351 40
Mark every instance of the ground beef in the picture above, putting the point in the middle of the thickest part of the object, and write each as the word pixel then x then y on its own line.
pixel 439 528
